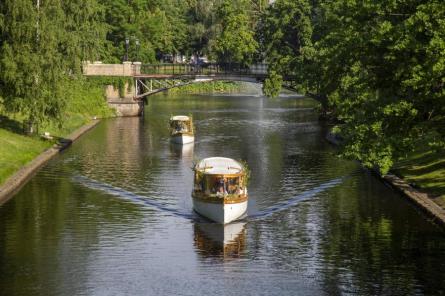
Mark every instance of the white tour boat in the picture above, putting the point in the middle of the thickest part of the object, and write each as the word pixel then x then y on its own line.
pixel 181 129
pixel 220 192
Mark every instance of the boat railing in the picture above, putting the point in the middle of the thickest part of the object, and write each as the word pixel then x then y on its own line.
pixel 213 196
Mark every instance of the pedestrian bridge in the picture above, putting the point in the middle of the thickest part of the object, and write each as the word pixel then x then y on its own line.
pixel 154 78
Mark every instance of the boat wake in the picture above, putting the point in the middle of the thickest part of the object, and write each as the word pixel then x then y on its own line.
pixel 127 195
pixel 146 201
pixel 284 205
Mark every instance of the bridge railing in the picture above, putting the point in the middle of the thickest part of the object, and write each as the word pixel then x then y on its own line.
pixel 256 70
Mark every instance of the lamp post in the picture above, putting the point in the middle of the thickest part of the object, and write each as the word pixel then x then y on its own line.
pixel 127 43
pixel 137 49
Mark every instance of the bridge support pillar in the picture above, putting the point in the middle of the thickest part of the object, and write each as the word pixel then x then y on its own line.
pixel 126 105
pixel 127 109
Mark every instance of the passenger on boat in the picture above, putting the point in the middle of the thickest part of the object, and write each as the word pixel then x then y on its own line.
pixel 220 192
pixel 201 185
pixel 221 187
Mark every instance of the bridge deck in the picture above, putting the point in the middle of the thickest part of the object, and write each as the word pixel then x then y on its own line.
pixel 208 70
pixel 168 71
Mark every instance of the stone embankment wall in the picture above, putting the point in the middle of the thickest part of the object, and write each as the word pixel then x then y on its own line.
pixel 126 105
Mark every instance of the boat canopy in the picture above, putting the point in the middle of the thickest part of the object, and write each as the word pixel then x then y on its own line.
pixel 180 118
pixel 219 166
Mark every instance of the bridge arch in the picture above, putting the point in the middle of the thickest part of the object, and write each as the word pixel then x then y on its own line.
pixel 144 86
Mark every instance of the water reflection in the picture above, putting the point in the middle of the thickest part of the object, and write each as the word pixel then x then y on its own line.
pixel 113 215
pixel 222 241
pixel 182 151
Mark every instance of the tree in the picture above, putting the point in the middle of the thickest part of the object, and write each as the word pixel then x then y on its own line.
pixel 203 25
pixel 42 47
pixel 383 68
pixel 236 44
pixel 379 65
pixel 285 33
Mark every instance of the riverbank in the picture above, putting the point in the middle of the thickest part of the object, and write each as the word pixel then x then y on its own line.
pixel 420 177
pixel 13 184
pixel 85 101
pixel 209 88
pixel 21 155
pixel 424 170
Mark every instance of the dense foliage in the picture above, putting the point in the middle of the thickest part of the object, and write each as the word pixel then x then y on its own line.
pixel 285 33
pixel 236 43
pixel 43 42
pixel 42 45
pixel 380 64
pixel 377 66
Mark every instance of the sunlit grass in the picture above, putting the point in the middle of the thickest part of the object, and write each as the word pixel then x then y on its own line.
pixel 17 150
pixel 425 169
pixel 85 101
pixel 208 87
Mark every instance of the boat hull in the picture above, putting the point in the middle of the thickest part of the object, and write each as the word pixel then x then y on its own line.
pixel 182 139
pixel 220 212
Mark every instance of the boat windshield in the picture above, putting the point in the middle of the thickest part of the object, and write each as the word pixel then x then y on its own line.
pixel 219 185
pixel 179 126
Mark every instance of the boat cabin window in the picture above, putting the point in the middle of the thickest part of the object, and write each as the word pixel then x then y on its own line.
pixel 219 185
pixel 179 126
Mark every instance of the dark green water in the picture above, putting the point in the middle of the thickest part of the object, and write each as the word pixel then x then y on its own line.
pixel 112 215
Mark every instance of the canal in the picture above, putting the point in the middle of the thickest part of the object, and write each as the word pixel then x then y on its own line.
pixel 112 215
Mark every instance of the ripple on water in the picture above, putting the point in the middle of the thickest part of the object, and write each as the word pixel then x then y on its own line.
pixel 113 214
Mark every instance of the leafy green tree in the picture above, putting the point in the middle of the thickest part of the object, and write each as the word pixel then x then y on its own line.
pixel 379 65
pixel 382 70
pixel 42 46
pixel 236 44
pixel 151 28
pixel 272 85
pixel 203 26
pixel 84 32
pixel 285 34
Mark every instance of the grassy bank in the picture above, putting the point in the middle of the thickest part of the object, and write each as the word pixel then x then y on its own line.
pixel 17 150
pixel 425 169
pixel 85 100
pixel 209 87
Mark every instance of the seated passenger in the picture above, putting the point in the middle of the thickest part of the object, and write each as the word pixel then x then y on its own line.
pixel 220 192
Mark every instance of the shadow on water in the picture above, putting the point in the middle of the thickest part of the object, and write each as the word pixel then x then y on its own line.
pixel 147 201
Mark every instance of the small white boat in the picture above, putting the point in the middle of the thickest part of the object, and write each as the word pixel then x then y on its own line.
pixel 181 129
pixel 220 192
